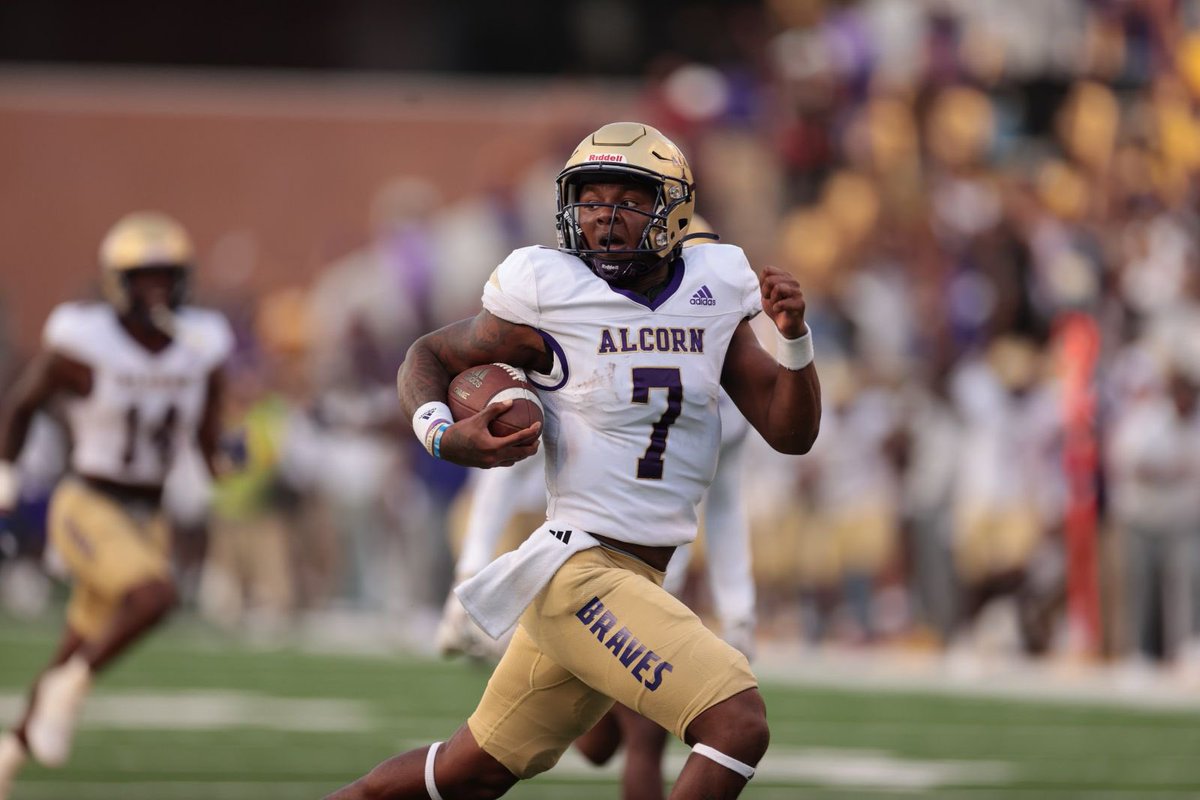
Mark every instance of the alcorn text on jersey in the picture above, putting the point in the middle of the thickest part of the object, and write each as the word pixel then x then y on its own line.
pixel 143 406
pixel 632 429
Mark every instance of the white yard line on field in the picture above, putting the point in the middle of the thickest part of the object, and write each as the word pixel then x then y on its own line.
pixel 1000 676
pixel 212 710
pixel 225 710
pixel 167 790
pixel 827 766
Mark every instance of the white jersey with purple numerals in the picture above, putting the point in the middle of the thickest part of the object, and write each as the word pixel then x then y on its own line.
pixel 144 407
pixel 632 429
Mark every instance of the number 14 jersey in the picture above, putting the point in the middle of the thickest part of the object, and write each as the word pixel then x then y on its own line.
pixel 143 406
pixel 632 429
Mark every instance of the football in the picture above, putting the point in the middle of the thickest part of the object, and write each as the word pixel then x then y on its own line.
pixel 474 389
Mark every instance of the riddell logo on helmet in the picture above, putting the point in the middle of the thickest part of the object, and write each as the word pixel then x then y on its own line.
pixel 613 157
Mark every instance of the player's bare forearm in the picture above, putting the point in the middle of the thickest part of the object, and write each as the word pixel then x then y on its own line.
pixel 794 410
pixel 425 373
pixel 435 358
pixel 14 427
pixel 45 375
pixel 17 410
pixel 209 433
pixel 784 405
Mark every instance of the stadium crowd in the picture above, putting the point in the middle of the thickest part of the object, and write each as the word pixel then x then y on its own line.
pixel 991 209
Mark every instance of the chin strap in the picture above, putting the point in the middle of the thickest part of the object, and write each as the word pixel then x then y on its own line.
pixel 592 261
pixel 618 271
pixel 699 235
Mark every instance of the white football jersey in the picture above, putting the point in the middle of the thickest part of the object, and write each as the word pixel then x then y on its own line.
pixel 144 407
pixel 632 429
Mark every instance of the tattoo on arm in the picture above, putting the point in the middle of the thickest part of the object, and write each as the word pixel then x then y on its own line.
pixel 437 357
pixel 422 376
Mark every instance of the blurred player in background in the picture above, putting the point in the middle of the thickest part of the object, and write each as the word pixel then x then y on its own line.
pixel 137 380
pixel 629 341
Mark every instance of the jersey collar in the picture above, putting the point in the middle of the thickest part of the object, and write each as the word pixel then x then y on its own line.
pixel 674 280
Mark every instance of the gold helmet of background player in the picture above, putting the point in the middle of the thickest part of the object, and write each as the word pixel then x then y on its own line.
pixel 627 151
pixel 144 240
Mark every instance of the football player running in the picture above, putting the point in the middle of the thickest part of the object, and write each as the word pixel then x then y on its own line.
pixel 136 380
pixel 505 497
pixel 629 340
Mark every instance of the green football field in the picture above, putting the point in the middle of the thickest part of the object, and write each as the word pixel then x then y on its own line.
pixel 190 715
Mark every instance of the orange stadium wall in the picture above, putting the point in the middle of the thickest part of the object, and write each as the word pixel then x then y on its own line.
pixel 288 163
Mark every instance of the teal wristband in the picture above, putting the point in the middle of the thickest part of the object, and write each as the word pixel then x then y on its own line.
pixel 437 439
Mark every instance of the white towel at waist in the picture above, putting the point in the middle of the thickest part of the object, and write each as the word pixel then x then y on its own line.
pixel 498 595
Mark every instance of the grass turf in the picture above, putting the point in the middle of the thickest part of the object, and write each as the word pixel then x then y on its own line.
pixel 826 743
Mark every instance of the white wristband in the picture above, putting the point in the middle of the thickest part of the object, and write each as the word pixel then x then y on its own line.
pixel 427 419
pixel 9 486
pixel 794 354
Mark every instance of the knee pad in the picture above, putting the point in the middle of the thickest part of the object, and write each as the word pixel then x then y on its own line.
pixel 713 754
pixel 430 786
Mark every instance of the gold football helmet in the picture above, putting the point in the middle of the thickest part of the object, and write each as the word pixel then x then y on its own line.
pixel 144 240
pixel 630 151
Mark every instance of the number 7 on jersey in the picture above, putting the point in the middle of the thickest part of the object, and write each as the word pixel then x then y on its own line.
pixel 650 465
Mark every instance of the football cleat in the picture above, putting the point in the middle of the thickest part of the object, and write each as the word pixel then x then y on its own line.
pixel 60 694
pixel 12 758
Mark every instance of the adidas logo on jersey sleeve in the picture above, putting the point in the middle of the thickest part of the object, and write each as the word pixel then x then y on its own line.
pixel 703 297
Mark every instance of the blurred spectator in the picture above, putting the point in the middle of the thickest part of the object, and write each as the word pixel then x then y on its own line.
pixel 357 418
pixel 1009 493
pixel 247 578
pixel 187 498
pixel 1154 455
pixel 853 484
pixel 375 301
pixel 932 431
pixel 25 589
pixel 364 312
